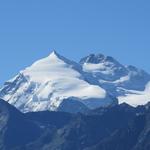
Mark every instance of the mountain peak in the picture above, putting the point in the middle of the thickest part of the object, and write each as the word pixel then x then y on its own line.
pixel 92 58
pixel 104 67
pixel 54 57
pixel 54 53
pixel 98 58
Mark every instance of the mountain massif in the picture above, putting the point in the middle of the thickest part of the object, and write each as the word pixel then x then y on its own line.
pixel 56 83
pixel 58 104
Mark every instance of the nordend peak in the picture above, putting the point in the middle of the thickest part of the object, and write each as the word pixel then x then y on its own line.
pixel 127 83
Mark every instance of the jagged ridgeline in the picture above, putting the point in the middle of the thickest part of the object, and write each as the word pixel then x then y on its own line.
pixel 119 127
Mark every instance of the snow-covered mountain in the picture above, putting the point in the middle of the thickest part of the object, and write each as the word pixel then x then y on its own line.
pixel 56 83
pixel 128 83
pixel 45 84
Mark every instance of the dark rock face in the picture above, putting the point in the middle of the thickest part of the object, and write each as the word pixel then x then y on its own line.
pixel 49 119
pixel 92 58
pixel 15 129
pixel 119 127
pixel 18 130
pixel 72 105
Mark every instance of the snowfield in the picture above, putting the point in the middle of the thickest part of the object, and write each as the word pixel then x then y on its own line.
pixel 135 98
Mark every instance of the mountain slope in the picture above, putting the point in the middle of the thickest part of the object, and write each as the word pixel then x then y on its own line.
pixel 87 130
pixel 15 129
pixel 45 84
pixel 119 127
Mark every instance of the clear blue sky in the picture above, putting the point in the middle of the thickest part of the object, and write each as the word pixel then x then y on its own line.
pixel 29 29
